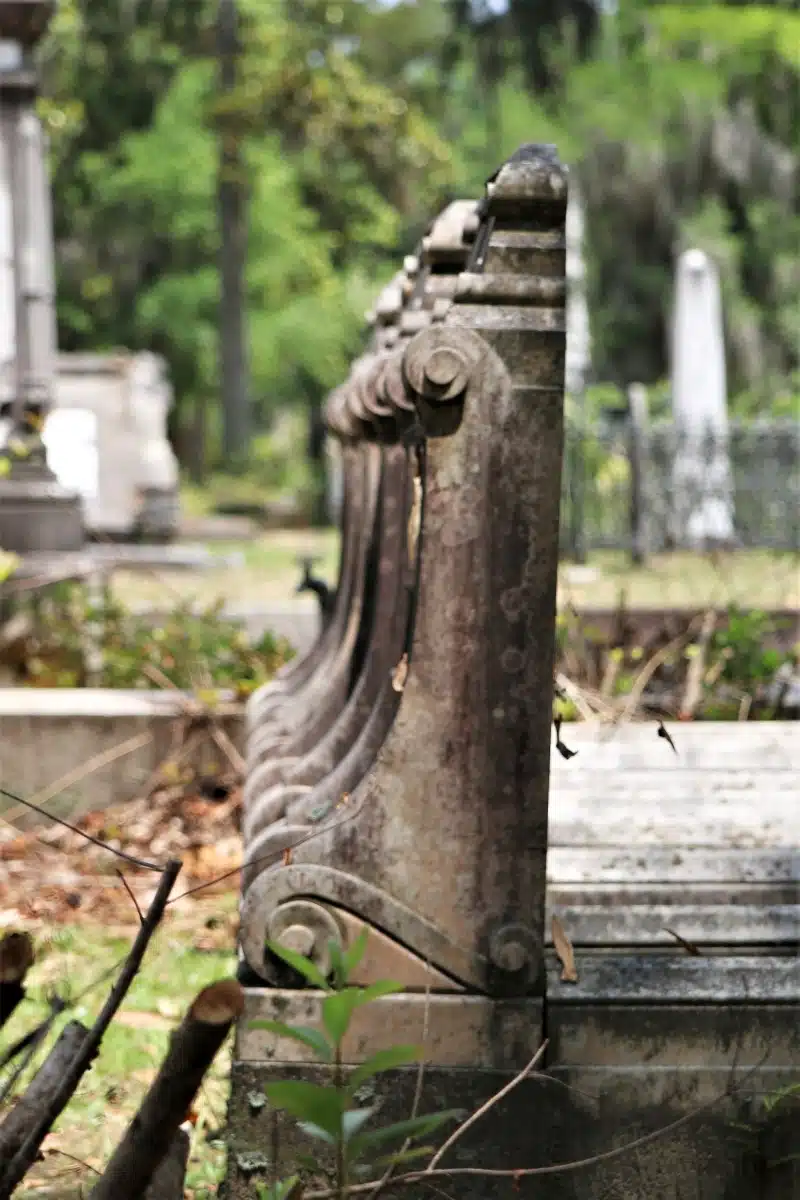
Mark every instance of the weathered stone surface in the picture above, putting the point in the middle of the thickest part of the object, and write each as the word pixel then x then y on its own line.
pixel 732 1150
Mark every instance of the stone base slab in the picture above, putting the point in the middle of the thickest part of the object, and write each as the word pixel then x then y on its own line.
pixel 457 1030
pixel 98 746
pixel 638 1044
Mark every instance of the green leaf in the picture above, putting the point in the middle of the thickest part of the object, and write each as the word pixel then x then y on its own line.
pixel 337 1010
pixel 321 1106
pixel 355 953
pixel 301 964
pixel 313 1038
pixel 353 1119
pixel 337 962
pixel 411 1128
pixel 384 1060
pixel 316 1131
pixel 384 987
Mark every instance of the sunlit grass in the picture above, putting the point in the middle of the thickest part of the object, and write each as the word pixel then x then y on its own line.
pixel 269 575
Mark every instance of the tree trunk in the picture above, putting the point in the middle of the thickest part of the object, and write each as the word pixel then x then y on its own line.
pixel 232 211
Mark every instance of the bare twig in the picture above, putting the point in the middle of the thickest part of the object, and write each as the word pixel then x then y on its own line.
pixel 18 1167
pixel 193 709
pixel 513 1173
pixel 137 862
pixel 576 695
pixel 697 666
pixel 648 671
pixel 79 1162
pixel 127 887
pixel 484 1108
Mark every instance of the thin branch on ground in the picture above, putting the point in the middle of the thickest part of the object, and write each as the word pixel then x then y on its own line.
pixel 193 709
pixel 693 691
pixel 78 1161
pixel 137 862
pixel 23 1160
pixel 633 699
pixel 78 774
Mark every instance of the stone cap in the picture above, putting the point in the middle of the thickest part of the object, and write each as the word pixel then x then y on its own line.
pixel 534 172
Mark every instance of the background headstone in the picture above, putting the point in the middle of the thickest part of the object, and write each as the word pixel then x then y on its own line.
pixel 702 488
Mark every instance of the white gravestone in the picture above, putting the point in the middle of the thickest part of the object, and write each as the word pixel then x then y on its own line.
pixel 106 436
pixel 702 488
pixel 579 343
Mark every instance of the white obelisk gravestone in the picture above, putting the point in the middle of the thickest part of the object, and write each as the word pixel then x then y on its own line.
pixel 702 486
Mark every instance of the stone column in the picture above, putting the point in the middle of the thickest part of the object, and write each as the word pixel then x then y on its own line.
pixel 36 513
pixel 441 848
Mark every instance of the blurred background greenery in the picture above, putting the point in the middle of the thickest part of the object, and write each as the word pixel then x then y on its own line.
pixel 354 121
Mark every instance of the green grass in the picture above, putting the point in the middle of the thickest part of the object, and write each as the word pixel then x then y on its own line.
pixel 69 958
pixel 269 576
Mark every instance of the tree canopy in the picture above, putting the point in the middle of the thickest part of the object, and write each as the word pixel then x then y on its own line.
pixel 356 119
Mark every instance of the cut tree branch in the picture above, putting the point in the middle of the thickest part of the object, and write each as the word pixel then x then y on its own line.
pixel 16 957
pixel 27 1154
pixel 170 1177
pixel 192 1048
pixel 39 1094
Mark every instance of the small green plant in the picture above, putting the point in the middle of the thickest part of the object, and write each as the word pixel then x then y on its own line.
pixel 741 643
pixel 334 1114
pixel 199 651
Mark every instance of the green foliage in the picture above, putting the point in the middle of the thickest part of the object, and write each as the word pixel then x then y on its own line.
pixel 331 1113
pixel 195 650
pixel 355 121
pixel 740 646
pixel 738 662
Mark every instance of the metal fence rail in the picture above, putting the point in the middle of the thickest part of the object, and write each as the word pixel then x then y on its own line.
pixel 603 508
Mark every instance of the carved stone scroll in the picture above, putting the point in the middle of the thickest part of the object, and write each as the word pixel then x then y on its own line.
pixel 282 789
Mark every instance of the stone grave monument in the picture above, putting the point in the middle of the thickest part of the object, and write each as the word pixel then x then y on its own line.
pixel 702 486
pixel 36 512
